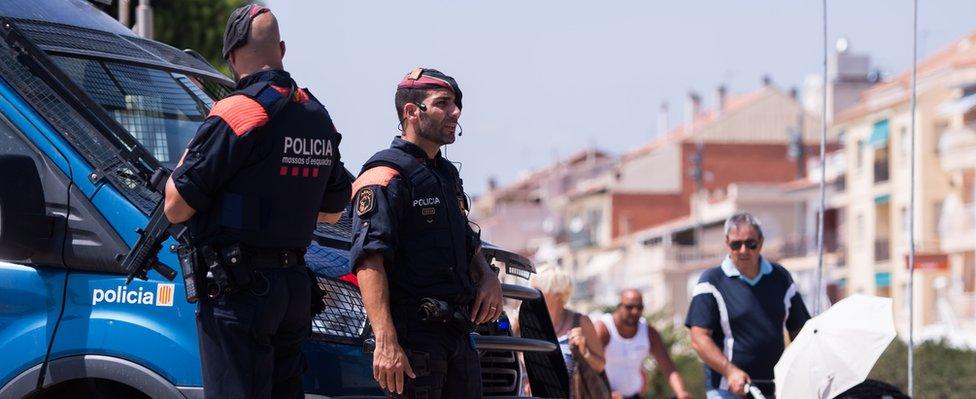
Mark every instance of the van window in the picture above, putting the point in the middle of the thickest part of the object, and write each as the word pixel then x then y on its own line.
pixel 160 109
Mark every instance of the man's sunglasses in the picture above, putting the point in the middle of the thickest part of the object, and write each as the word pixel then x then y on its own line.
pixel 632 307
pixel 750 243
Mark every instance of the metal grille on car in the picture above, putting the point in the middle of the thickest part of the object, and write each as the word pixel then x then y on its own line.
pixel 145 102
pixel 59 37
pixel 73 127
pixel 344 317
pixel 499 373
pixel 66 39
pixel 338 234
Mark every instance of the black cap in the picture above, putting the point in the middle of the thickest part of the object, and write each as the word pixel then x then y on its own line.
pixel 239 26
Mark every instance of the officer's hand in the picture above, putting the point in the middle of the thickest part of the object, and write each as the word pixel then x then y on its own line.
pixel 488 303
pixel 737 380
pixel 390 363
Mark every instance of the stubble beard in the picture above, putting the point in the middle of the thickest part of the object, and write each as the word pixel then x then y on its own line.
pixel 435 134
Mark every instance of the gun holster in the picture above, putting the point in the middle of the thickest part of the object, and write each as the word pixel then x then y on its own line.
pixel 225 269
pixel 434 310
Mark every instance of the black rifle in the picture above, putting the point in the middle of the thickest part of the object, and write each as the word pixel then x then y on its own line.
pixel 142 256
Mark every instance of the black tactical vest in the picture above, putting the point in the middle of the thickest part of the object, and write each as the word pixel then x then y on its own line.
pixel 273 201
pixel 432 257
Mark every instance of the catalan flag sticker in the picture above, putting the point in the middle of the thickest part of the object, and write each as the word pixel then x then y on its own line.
pixel 164 294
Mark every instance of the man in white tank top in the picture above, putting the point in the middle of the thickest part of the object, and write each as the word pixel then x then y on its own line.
pixel 627 340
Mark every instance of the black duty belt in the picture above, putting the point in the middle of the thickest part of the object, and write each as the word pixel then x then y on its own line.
pixel 274 258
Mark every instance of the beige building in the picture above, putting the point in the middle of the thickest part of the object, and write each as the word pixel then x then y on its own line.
pixel 876 138
pixel 650 224
pixel 665 261
pixel 522 216
pixel 800 250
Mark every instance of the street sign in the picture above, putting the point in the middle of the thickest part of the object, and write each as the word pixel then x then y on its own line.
pixel 930 261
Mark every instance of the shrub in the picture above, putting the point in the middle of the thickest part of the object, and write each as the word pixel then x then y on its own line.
pixel 940 370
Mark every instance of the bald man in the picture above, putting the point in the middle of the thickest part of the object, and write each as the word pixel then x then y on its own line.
pixel 627 340
pixel 262 168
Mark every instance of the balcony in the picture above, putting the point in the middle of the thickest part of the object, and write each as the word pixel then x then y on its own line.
pixel 882 249
pixel 799 246
pixel 689 257
pixel 957 228
pixel 580 239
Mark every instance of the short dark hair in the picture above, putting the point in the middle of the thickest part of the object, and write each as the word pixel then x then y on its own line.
pixel 405 96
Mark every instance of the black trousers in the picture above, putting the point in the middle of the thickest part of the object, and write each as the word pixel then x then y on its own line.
pixel 445 362
pixel 250 340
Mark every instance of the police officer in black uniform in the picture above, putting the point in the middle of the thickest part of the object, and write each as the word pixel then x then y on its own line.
pixel 261 169
pixel 416 255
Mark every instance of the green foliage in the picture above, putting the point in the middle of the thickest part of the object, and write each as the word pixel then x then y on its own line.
pixel 940 371
pixel 677 341
pixel 194 24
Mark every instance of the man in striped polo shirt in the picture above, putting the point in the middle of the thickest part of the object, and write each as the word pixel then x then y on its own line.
pixel 739 311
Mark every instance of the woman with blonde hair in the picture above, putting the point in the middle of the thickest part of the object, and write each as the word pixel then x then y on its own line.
pixel 577 337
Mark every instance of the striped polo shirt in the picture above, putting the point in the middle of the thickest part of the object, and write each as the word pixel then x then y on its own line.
pixel 747 317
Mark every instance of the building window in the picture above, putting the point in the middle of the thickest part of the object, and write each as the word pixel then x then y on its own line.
pixel 879 143
pixel 881 164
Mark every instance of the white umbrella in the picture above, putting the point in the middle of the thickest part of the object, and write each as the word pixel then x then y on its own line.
pixel 836 350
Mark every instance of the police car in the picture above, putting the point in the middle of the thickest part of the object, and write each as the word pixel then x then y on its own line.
pixel 88 111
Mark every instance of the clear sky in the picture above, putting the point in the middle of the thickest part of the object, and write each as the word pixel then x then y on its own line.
pixel 547 78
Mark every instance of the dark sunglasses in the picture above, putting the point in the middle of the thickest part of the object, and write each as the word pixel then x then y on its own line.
pixel 632 307
pixel 750 243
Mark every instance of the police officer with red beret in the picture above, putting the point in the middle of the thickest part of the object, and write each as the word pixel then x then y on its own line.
pixel 262 168
pixel 424 283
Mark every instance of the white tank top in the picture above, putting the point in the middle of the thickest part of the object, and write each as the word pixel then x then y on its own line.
pixel 625 357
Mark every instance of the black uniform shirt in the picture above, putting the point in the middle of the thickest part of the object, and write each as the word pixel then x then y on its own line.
pixel 384 201
pixel 258 180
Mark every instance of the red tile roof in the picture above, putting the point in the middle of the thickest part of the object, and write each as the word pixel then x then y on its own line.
pixel 703 119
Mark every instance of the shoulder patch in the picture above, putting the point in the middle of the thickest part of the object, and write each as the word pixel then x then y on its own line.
pixel 376 176
pixel 365 201
pixel 241 113
pixel 300 96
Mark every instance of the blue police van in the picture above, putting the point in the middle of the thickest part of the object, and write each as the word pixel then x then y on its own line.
pixel 88 112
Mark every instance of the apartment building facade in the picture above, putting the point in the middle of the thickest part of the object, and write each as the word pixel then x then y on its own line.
pixel 876 134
